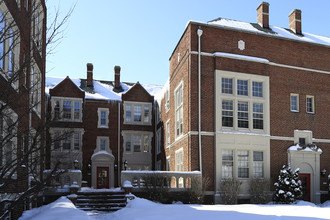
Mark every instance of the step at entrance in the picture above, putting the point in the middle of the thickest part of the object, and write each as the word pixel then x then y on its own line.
pixel 107 201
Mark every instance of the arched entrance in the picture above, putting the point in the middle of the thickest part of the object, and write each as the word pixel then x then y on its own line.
pixel 102 170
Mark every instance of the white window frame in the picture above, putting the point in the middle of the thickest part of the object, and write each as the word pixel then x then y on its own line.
pixel 291 100
pixel 167 99
pixel 142 135
pixel 251 163
pixel 35 88
pixel 107 143
pixel 312 103
pixel 179 110
pixel 168 163
pixel 143 117
pixel 235 98
pixel 99 116
pixel 60 131
pixel 61 100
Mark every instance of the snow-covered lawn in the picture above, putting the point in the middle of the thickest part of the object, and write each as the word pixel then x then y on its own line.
pixel 139 209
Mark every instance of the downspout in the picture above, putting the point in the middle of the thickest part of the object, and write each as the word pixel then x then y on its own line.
pixel 118 150
pixel 199 33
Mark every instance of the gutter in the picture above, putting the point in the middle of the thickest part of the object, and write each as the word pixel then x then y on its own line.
pixel 118 160
pixel 199 33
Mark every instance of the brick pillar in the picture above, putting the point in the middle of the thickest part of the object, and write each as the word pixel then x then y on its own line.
pixel 263 14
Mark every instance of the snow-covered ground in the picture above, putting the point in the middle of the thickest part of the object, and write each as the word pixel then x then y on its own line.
pixel 138 209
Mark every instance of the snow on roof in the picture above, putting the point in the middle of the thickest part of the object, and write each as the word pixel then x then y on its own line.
pixel 160 95
pixel 273 31
pixel 102 152
pixel 102 90
pixel 297 147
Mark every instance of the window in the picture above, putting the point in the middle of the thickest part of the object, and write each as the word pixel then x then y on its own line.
pixel 258 164
pixel 257 89
pixel 141 113
pixel 179 110
pixel 76 110
pixel 67 140
pixel 227 86
pixel 103 117
pixel 137 113
pixel 128 113
pixel 302 141
pixel 128 143
pixel 168 138
pixel 159 141
pixel 179 160
pixel 294 102
pixel 76 145
pixel 227 113
pixel 258 121
pixel 243 114
pixel 242 102
pixel 243 163
pixel 8 128
pixel 66 108
pixel 67 143
pixel 242 87
pixel 167 99
pixel 310 104
pixel 102 144
pixel 227 163
pixel 146 114
pixel 136 142
pixel 2 41
pixel 35 77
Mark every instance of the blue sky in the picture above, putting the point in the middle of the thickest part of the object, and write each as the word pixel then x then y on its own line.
pixel 140 35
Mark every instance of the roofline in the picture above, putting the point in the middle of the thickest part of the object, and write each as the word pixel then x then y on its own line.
pixel 244 31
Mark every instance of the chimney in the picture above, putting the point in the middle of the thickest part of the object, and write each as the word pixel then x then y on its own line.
pixel 117 77
pixel 295 21
pixel 89 74
pixel 263 14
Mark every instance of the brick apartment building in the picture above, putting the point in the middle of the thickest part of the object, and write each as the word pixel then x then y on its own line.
pixel 22 78
pixel 110 126
pixel 242 96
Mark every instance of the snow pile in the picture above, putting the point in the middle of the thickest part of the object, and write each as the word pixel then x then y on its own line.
pixel 60 209
pixel 138 208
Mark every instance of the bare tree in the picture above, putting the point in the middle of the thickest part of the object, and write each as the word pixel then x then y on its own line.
pixel 23 124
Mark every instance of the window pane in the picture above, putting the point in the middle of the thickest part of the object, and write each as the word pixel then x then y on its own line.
pixel 258 122
pixel 227 86
pixel 294 103
pixel 76 141
pixel 128 143
pixel 243 114
pixel 258 166
pixel 242 87
pixel 67 109
pixel 137 113
pixel 137 143
pixel 76 110
pixel 67 143
pixel 227 163
pixel 128 113
pixel 57 110
pixel 103 118
pixel 102 144
pixel 2 44
pixel 257 89
pixel 146 114
pixel 309 104
pixel 243 163
pixel 146 144
pixel 227 113
pixel 57 142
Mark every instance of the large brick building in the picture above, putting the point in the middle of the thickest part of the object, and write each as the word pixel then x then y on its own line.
pixel 242 96
pixel 100 128
pixel 22 80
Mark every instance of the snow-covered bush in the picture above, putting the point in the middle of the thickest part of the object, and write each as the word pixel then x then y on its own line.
pixel 197 190
pixel 259 191
pixel 229 190
pixel 288 187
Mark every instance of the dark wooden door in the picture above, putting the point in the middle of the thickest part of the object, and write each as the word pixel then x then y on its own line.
pixel 306 186
pixel 102 177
